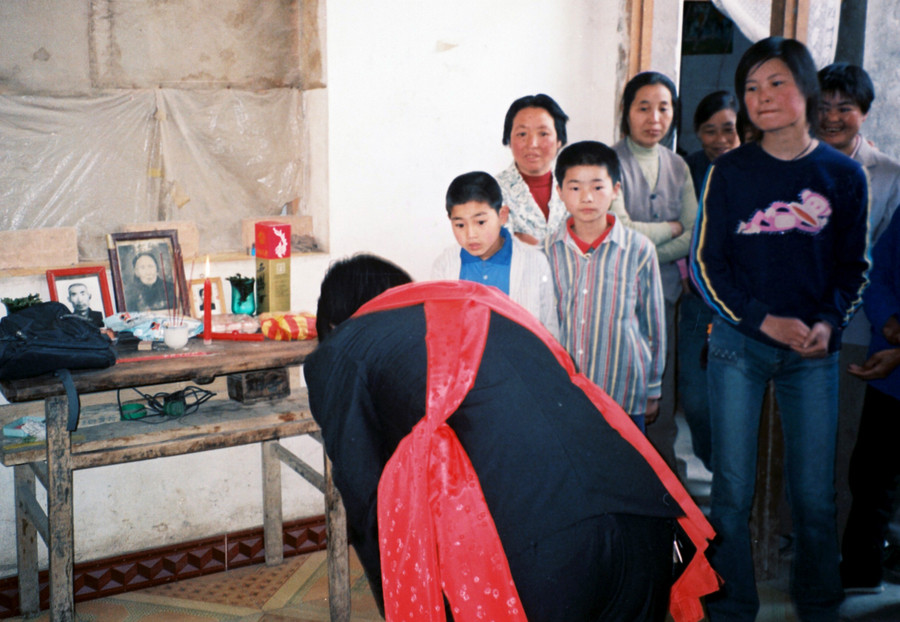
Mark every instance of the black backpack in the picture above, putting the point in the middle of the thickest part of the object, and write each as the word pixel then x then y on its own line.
pixel 47 337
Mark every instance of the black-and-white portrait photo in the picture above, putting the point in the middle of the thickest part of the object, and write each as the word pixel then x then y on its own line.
pixel 83 290
pixel 147 277
pixel 147 272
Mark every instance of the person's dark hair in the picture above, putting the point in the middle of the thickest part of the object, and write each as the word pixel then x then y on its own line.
pixel 474 186
pixel 850 80
pixel 144 254
pixel 643 79
pixel 349 284
pixel 536 101
pixel 587 153
pixel 798 59
pixel 747 131
pixel 711 104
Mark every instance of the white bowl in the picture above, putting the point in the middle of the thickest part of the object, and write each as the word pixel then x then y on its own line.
pixel 175 337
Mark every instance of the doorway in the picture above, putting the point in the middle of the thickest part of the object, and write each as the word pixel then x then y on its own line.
pixel 711 46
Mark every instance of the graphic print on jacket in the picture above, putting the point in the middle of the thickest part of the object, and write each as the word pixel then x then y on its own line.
pixel 811 215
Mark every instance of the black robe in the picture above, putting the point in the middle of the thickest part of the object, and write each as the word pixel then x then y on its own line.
pixel 552 470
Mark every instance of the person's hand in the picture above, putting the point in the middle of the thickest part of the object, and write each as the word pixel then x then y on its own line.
pixel 816 343
pixel 652 411
pixel 879 365
pixel 891 330
pixel 528 239
pixel 677 228
pixel 787 330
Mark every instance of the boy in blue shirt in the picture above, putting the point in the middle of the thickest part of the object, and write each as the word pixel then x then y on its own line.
pixel 606 277
pixel 488 254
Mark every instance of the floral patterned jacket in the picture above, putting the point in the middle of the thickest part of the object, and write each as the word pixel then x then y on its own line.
pixel 524 214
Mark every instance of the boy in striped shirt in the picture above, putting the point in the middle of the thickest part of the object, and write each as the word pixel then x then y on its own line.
pixel 607 283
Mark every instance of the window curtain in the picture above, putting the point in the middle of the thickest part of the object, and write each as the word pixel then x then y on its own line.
pixel 753 17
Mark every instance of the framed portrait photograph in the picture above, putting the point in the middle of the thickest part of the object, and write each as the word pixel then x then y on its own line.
pixel 198 303
pixel 148 271
pixel 84 290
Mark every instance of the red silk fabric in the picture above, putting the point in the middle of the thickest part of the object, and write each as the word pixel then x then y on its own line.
pixel 435 531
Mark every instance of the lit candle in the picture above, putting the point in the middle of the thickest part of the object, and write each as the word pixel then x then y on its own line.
pixel 207 306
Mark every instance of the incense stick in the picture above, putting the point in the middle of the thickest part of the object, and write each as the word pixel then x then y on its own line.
pixel 174 314
pixel 162 268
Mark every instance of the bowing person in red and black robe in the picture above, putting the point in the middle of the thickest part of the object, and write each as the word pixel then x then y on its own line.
pixel 474 464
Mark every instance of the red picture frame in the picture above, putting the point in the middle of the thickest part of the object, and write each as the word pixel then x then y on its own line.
pixel 95 292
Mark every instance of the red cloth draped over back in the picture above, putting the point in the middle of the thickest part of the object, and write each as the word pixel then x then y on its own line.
pixel 435 531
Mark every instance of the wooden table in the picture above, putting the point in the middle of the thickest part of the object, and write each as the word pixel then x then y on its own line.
pixel 218 424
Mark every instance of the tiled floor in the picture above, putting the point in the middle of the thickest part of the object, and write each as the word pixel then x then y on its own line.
pixel 775 605
pixel 297 590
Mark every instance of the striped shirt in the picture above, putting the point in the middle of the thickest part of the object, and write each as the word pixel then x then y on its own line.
pixel 611 313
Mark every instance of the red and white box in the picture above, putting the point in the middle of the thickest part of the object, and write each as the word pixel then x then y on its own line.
pixel 273 240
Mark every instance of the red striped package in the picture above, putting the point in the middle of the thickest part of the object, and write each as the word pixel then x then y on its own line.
pixel 288 326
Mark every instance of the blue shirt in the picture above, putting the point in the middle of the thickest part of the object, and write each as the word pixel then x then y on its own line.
pixel 882 299
pixel 493 271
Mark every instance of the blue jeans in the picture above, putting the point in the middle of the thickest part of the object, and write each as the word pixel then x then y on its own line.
pixel 693 321
pixel 806 392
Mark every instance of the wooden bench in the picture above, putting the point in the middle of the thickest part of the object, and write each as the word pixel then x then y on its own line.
pixel 218 424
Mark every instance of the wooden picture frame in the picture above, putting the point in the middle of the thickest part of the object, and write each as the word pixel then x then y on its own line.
pixel 137 259
pixel 218 297
pixel 85 288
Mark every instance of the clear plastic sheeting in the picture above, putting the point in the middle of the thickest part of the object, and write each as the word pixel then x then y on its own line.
pixel 753 18
pixel 76 162
pixel 214 157
pixel 229 155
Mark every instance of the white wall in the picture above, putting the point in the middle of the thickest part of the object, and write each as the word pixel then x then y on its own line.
pixel 416 94
pixel 882 53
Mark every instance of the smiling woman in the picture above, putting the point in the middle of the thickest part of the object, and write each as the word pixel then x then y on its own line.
pixel 847 95
pixel 535 131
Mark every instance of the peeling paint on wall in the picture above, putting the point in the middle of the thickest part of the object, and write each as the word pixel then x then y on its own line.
pixel 105 44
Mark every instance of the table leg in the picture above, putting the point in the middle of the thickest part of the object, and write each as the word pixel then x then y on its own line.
pixel 26 543
pixel 766 516
pixel 273 536
pixel 338 557
pixel 59 510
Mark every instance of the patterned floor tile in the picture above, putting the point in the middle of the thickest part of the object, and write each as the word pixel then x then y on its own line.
pixel 251 586
pixel 294 591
